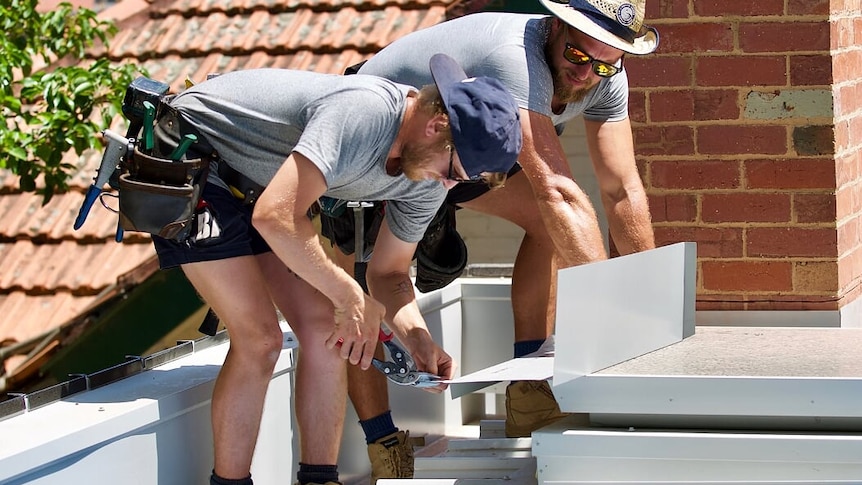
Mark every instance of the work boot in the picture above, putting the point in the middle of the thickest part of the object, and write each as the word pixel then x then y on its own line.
pixel 530 405
pixel 391 457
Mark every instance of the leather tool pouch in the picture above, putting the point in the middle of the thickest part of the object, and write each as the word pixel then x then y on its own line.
pixel 159 196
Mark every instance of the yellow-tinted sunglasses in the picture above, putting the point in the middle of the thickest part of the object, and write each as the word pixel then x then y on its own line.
pixel 578 57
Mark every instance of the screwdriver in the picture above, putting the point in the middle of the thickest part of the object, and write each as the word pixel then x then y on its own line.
pixel 184 145
pixel 149 120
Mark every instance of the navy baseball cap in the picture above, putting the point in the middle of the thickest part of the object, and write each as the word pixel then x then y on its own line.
pixel 483 117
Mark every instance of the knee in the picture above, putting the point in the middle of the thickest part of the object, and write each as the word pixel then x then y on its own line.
pixel 261 350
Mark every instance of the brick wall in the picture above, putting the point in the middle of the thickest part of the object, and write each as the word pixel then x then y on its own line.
pixel 748 127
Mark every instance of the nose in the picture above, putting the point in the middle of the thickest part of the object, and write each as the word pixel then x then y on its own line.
pixel 582 73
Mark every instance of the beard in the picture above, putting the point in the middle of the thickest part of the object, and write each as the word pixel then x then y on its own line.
pixel 565 92
pixel 416 157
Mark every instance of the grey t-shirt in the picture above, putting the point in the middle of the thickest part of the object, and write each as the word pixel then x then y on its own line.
pixel 345 125
pixel 507 46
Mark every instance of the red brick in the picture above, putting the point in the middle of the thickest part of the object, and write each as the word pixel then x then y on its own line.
pixel 663 140
pixel 855 132
pixel 848 168
pixel 849 235
pixel 747 276
pixel 671 106
pixel 846 202
pixel 793 173
pixel 659 71
pixel 637 107
pixel 673 207
pixel 716 104
pixel 694 175
pixel 844 102
pixel 697 37
pixel 844 66
pixel 791 242
pixel 712 242
pixel 814 140
pixel 761 71
pixel 666 9
pixel 843 32
pixel 849 269
pixel 815 277
pixel 784 36
pixel 738 7
pixel 745 207
pixel 814 208
pixel 808 7
pixel 741 139
pixel 811 70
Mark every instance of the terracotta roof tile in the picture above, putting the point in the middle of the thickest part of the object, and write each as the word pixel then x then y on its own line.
pixel 51 273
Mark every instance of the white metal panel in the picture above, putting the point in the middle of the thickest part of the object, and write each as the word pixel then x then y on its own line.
pixel 733 371
pixel 150 428
pixel 580 455
pixel 614 310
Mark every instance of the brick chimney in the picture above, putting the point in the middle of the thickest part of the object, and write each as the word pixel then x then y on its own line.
pixel 748 131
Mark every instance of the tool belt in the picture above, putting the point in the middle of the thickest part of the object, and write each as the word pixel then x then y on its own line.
pixel 159 195
pixel 240 186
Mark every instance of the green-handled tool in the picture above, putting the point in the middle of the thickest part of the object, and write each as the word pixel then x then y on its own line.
pixel 184 145
pixel 149 121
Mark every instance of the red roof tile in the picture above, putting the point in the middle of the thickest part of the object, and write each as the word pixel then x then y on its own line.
pixel 51 273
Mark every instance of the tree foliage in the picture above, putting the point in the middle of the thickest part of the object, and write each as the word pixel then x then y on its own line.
pixel 49 111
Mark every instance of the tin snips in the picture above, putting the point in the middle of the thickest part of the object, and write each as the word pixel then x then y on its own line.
pixel 401 368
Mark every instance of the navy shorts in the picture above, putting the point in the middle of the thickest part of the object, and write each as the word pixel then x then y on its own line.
pixel 466 192
pixel 221 229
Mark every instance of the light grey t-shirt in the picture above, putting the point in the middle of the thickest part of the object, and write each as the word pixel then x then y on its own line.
pixel 506 46
pixel 345 125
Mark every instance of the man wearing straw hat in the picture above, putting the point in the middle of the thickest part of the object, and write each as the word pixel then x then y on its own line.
pixel 559 67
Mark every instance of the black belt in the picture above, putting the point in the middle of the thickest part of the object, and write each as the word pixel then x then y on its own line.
pixel 240 186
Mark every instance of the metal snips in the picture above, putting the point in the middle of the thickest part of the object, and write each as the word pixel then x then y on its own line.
pixel 401 369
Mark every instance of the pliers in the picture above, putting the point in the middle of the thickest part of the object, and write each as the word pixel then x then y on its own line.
pixel 402 369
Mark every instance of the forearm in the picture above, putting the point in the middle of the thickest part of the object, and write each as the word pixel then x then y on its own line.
pixel 296 243
pixel 566 211
pixel 395 292
pixel 629 222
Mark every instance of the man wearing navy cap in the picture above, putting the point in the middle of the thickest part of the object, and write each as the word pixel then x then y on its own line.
pixel 279 140
pixel 558 68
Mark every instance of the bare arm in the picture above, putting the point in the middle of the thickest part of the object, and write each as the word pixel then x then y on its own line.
pixel 623 195
pixel 280 217
pixel 389 283
pixel 565 208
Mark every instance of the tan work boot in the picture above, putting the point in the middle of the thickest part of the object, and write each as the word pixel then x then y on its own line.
pixel 530 405
pixel 391 457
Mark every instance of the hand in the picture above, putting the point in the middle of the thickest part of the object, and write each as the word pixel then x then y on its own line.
pixel 430 357
pixel 356 329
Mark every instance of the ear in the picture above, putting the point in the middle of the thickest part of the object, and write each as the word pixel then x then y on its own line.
pixel 556 25
pixel 436 125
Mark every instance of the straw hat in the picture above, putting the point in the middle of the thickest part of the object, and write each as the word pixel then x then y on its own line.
pixel 617 23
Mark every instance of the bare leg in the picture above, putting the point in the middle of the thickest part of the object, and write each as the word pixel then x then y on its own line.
pixel 321 374
pixel 534 274
pixel 236 291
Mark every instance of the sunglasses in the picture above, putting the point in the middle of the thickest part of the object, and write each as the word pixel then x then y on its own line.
pixel 579 58
pixel 453 176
